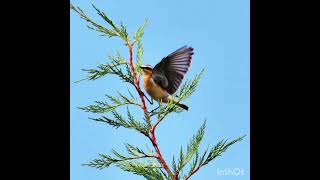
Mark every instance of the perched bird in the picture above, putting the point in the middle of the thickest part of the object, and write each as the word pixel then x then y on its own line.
pixel 164 79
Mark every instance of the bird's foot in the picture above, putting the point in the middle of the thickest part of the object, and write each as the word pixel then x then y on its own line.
pixel 153 111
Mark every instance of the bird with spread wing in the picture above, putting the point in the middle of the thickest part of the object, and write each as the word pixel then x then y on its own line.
pixel 165 78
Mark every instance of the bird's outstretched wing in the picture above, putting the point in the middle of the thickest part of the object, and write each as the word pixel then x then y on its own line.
pixel 169 72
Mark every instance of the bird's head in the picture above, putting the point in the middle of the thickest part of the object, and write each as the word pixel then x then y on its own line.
pixel 146 69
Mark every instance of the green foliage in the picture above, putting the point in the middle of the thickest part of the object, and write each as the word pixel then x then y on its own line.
pixel 192 148
pixel 184 92
pixel 192 152
pixel 149 171
pixel 139 57
pixel 138 38
pixel 188 88
pixel 114 31
pixel 118 66
pixel 140 32
pixel 216 151
pixel 221 147
pixel 147 163
pixel 134 153
pixel 137 162
pixel 119 121
pixel 104 107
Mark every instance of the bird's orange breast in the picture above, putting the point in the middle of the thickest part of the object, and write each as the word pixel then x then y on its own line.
pixel 154 90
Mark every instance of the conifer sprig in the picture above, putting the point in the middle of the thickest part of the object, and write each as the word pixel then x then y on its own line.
pixel 192 148
pixel 151 164
pixel 117 66
pixel 184 92
pixel 214 152
pixel 120 159
pixel 130 123
pixel 105 107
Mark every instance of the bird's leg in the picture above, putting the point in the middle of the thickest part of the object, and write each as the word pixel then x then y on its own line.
pixel 160 105
pixel 154 110
pixel 142 93
pixel 151 102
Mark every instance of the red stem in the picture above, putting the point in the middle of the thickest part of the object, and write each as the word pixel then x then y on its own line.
pixel 136 80
pixel 152 137
pixel 159 155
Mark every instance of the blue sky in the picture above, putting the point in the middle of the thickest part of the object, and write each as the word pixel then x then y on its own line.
pixel 218 30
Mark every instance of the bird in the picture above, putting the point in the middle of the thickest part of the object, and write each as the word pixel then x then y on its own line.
pixel 164 79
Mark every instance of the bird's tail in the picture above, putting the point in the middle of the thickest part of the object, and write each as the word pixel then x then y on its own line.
pixel 183 106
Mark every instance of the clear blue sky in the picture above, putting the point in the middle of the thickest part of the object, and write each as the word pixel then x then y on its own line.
pixel 218 30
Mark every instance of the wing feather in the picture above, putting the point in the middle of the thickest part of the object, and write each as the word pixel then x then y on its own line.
pixel 169 72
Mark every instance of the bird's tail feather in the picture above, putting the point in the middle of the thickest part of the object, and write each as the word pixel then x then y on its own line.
pixel 185 107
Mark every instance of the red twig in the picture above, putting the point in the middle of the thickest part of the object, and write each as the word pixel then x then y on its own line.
pixel 136 80
pixel 152 136
pixel 159 155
